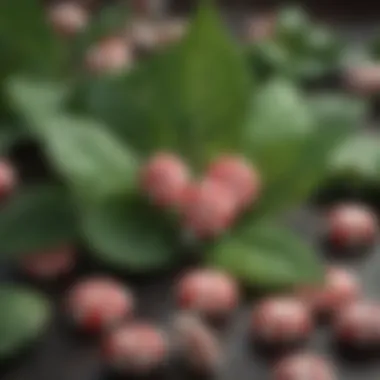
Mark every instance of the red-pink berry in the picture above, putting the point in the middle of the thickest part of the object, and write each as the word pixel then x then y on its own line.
pixel 364 79
pixel 208 209
pixel 341 287
pixel 241 178
pixel 351 226
pixel 67 18
pixel 164 179
pixel 143 7
pixel 143 34
pixel 98 304
pixel 136 348
pixel 281 320
pixel 358 324
pixel 8 179
pixel 172 31
pixel 149 36
pixel 110 55
pixel 197 344
pixel 261 28
pixel 208 292
pixel 304 366
pixel 49 265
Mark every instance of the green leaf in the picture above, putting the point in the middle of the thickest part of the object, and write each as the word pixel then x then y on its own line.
pixel 324 44
pixel 92 161
pixel 278 124
pixel 11 128
pixel 37 218
pixel 268 257
pixel 185 99
pixel 35 99
pixel 334 118
pixel 133 105
pixel 24 315
pixel 292 28
pixel 299 49
pixel 268 57
pixel 26 39
pixel 357 159
pixel 375 48
pixel 215 100
pixel 10 134
pixel 130 235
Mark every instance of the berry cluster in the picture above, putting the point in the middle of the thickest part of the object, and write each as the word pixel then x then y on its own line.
pixel 208 207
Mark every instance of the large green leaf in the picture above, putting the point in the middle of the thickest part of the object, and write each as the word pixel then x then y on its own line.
pixel 334 118
pixel 266 257
pixel 278 124
pixel 35 100
pixel 131 235
pixel 292 27
pixel 214 86
pixel 10 134
pixel 357 159
pixel 92 161
pixel 26 39
pixel 11 128
pixel 267 57
pixel 36 218
pixel 139 106
pixel 24 315
pixel 185 99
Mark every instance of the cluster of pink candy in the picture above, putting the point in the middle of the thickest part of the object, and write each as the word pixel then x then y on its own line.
pixel 207 207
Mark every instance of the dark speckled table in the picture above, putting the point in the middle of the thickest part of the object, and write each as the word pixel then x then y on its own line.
pixel 63 356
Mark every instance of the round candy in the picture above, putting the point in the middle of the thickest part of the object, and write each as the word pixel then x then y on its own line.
pixel 281 320
pixel 172 30
pixel 143 34
pixel 164 179
pixel 136 348
pixel 199 347
pixel 208 209
pixel 304 366
pixel 149 36
pixel 341 287
pixel 261 28
pixel 364 79
pixel 8 178
pixel 239 177
pixel 110 55
pixel 358 325
pixel 96 304
pixel 209 292
pixel 50 264
pixel 67 18
pixel 351 226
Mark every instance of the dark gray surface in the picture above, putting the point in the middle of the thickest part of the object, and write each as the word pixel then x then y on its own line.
pixel 62 356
